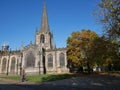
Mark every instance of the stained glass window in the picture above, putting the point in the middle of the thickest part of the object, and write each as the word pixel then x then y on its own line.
pixel 4 64
pixel 30 60
pixel 62 60
pixel 13 64
pixel 50 60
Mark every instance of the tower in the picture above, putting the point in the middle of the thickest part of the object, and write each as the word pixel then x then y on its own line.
pixel 44 37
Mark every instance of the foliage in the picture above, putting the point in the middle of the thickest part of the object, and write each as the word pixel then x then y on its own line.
pixel 79 48
pixel 110 17
pixel 73 49
pixel 86 48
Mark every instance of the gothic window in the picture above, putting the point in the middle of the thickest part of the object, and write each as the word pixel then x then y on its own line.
pixel 4 64
pixel 13 64
pixel 62 60
pixel 50 61
pixel 42 39
pixel 30 60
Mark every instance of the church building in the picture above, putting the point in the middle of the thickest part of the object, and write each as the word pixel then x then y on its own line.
pixel 42 57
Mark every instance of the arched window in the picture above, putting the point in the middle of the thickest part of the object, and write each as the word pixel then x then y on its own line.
pixel 62 60
pixel 42 38
pixel 12 68
pixel 30 60
pixel 4 64
pixel 50 61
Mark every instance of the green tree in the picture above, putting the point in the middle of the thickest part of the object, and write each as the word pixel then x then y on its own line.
pixel 110 17
pixel 104 52
pixel 112 57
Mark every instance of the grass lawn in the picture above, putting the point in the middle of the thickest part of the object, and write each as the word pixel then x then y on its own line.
pixel 49 77
pixel 43 78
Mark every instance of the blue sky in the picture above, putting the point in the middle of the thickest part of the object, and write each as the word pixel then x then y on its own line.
pixel 20 18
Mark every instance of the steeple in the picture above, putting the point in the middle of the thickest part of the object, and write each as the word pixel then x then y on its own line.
pixel 44 36
pixel 44 24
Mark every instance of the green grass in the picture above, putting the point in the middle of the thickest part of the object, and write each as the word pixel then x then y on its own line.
pixel 11 77
pixel 42 78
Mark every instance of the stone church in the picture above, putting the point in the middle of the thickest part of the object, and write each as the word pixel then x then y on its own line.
pixel 39 58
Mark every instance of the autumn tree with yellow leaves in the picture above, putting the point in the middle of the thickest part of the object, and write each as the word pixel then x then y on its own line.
pixel 86 48
pixel 79 48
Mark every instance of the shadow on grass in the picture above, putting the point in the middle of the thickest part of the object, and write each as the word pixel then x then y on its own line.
pixel 55 77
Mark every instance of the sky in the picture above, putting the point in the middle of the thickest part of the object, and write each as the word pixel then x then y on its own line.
pixel 20 18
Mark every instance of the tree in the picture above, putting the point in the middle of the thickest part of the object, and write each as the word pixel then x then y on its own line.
pixel 105 52
pixel 112 55
pixel 73 55
pixel 110 17
pixel 86 48
pixel 79 48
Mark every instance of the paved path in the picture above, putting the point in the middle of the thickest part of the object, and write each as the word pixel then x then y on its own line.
pixel 97 82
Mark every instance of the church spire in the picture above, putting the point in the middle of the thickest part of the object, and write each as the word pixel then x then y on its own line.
pixel 44 23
